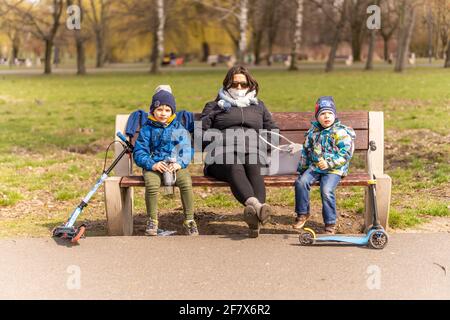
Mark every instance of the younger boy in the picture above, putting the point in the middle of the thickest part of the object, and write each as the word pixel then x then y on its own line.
pixel 163 137
pixel 326 156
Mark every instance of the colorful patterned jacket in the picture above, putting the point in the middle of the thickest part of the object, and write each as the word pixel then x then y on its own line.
pixel 335 144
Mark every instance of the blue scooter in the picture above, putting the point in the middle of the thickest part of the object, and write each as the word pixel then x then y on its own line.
pixel 376 236
pixel 67 230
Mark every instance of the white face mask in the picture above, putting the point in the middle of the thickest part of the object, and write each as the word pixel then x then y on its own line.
pixel 238 93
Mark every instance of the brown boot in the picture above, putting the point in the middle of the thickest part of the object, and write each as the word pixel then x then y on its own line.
pixel 330 229
pixel 300 221
pixel 252 220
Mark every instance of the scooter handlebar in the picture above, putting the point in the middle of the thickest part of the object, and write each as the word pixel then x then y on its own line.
pixel 124 139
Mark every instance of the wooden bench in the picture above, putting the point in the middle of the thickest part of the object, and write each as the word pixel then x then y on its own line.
pixel 347 60
pixel 369 126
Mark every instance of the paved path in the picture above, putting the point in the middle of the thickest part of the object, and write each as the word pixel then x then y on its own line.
pixel 219 267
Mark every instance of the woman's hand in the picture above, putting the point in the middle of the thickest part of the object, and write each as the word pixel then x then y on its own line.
pixel 161 167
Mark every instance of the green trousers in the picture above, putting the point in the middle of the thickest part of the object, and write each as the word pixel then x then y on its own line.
pixel 153 183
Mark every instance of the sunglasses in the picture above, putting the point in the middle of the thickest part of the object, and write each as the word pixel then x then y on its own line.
pixel 235 84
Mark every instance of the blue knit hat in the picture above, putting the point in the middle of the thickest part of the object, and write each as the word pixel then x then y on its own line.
pixel 325 103
pixel 163 97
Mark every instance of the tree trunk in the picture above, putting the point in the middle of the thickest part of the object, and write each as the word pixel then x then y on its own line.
pixel 205 51
pixel 158 38
pixel 272 26
pixel 269 53
pixel 447 59
pixel 297 36
pixel 356 45
pixel 257 40
pixel 14 51
pixel 81 57
pixel 369 63
pixel 385 48
pixel 331 57
pixel 243 22
pixel 408 17
pixel 48 56
pixel 429 20
pixel 99 47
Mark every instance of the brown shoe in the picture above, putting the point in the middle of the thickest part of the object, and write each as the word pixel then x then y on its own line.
pixel 300 221
pixel 330 229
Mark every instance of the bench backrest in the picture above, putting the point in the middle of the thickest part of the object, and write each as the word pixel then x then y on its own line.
pixel 368 126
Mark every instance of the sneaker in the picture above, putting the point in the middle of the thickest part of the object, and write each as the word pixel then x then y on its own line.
pixel 330 229
pixel 190 227
pixel 300 221
pixel 152 228
pixel 252 220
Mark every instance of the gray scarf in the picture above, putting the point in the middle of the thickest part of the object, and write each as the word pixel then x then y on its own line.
pixel 227 100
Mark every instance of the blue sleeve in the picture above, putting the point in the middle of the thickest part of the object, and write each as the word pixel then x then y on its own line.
pixel 138 117
pixel 186 118
pixel 141 153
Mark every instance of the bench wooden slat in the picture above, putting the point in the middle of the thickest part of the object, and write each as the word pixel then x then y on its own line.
pixel 353 179
pixel 293 121
pixel 358 120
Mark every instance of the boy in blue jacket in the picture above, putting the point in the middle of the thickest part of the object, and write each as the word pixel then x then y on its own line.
pixel 162 138
pixel 326 156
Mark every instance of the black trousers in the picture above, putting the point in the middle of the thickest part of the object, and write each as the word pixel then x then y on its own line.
pixel 245 180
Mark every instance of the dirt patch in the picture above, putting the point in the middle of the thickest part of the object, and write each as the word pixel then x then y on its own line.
pixel 421 144
pixel 92 148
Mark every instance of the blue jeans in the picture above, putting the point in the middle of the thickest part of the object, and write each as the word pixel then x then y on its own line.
pixel 328 184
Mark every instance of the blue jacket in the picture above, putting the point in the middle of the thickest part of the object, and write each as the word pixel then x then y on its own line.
pixel 158 142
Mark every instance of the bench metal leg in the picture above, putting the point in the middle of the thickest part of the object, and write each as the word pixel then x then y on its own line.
pixel 119 208
pixel 384 185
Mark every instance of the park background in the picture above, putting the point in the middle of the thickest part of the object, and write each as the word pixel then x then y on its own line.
pixel 61 87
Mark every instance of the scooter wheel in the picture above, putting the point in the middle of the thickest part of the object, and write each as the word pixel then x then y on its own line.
pixel 307 237
pixel 79 234
pixel 379 239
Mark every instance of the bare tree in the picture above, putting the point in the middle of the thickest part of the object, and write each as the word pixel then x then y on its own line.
pixel 390 21
pixel 80 38
pixel 442 8
pixel 274 17
pixel 42 24
pixel 339 9
pixel 357 20
pixel 297 35
pixel 11 24
pixel 243 25
pixel 144 17
pixel 447 59
pixel 407 20
pixel 429 21
pixel 233 15
pixel 371 50
pixel 257 19
pixel 11 27
pixel 158 37
pixel 99 16
pixel 265 18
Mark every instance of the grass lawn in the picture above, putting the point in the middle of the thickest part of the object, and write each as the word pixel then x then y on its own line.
pixel 54 130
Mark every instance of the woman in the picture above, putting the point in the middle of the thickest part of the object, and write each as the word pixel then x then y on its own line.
pixel 237 113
